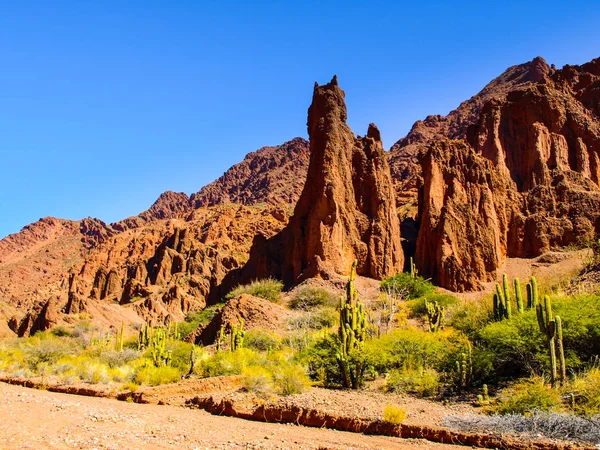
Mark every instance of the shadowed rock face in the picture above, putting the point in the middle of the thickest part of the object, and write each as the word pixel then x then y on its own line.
pixel 346 210
pixel 526 182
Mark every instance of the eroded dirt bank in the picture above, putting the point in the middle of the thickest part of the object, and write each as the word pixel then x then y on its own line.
pixel 34 419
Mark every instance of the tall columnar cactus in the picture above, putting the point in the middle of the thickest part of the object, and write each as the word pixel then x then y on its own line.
pixel 119 341
pixel 413 269
pixel 352 335
pixel 237 336
pixel 518 296
pixel 502 298
pixel 506 288
pixel 144 337
pixel 561 351
pixel 532 293
pixel 464 368
pixel 435 315
pixel 551 327
pixel 502 308
pixel 220 338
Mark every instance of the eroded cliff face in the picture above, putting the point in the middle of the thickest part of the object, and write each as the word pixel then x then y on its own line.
pixel 346 210
pixel 168 269
pixel 527 180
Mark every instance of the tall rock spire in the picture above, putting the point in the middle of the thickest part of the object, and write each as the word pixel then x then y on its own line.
pixel 346 210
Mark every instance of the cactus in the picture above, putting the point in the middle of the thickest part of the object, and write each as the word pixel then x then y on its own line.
pixel 413 269
pixel 551 327
pixel 144 337
pixel 464 368
pixel 352 334
pixel 220 338
pixel 518 296
pixel 158 347
pixel 532 293
pixel 435 315
pixel 506 289
pixel 192 361
pixel 502 309
pixel 502 298
pixel 120 338
pixel 486 395
pixel 237 336
pixel 561 351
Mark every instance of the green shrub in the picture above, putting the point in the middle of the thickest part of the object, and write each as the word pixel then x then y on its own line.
pixel 422 382
pixel 290 379
pixel 116 358
pixel 394 414
pixel 527 396
pixel 269 289
pixel 469 317
pixel 586 393
pixel 180 354
pixel 418 308
pixel 323 366
pixel 317 319
pixel 258 380
pixel 153 376
pixel 261 340
pixel 194 320
pixel 307 298
pixel 404 286
pixel 231 363
pixel 516 348
pixel 414 349
pixel 46 348
pixel 61 331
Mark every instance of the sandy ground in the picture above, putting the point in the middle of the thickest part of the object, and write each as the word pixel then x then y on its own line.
pixel 33 419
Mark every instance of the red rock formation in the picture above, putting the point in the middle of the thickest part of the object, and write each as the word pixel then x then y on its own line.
pixel 346 210
pixel 527 182
pixel 257 313
pixel 273 175
pixel 169 205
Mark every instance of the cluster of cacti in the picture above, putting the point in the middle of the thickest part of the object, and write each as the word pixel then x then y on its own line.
pixel 102 341
pixel 155 339
pixel 158 348
pixel 502 306
pixel 237 336
pixel 551 327
pixel 464 368
pixel 502 298
pixel 173 330
pixel 484 397
pixel 413 269
pixel 352 334
pixel 435 315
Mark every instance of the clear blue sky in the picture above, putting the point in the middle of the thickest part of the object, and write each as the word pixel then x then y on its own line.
pixel 106 104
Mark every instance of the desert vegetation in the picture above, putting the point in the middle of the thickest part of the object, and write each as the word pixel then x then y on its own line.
pixel 525 359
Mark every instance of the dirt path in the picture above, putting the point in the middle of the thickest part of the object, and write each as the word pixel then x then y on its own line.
pixel 33 419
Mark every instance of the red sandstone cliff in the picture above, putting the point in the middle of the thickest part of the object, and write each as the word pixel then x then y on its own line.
pixel 346 210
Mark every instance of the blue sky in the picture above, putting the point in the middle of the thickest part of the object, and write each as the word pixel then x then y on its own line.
pixel 106 104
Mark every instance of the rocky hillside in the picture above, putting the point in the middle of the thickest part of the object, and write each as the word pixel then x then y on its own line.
pixel 403 155
pixel 525 181
pixel 271 175
pixel 513 171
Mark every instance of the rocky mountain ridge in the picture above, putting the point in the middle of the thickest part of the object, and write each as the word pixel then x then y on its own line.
pixel 513 171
